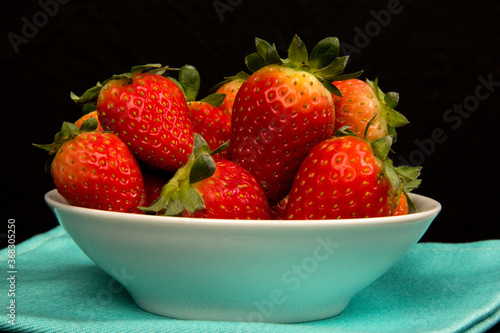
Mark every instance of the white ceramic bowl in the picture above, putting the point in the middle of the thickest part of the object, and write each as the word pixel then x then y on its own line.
pixel 236 270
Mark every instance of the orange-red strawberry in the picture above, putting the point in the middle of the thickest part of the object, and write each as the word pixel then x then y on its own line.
pixel 209 189
pixel 230 87
pixel 403 207
pixel 363 102
pixel 92 114
pixel 148 112
pixel 95 169
pixel 283 110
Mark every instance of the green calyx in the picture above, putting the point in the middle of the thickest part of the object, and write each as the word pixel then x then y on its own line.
pixel 402 178
pixel 179 194
pixel 68 132
pixel 88 100
pixel 324 61
pixel 190 81
pixel 388 102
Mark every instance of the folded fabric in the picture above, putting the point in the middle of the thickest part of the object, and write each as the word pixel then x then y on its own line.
pixel 435 287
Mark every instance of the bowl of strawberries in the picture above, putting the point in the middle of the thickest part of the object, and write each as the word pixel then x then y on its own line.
pixel 272 200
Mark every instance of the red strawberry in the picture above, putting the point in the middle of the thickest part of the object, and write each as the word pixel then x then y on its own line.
pixel 211 123
pixel 283 110
pixel 95 169
pixel 208 120
pixel 230 87
pixel 346 177
pixel 208 189
pixel 362 102
pixel 148 112
pixel 231 193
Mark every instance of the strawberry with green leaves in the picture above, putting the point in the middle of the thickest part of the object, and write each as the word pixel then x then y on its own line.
pixel 95 169
pixel 148 112
pixel 284 109
pixel 208 119
pixel 348 177
pixel 211 123
pixel 207 188
pixel 231 193
pixel 362 102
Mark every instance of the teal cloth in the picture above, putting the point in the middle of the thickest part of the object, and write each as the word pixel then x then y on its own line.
pixel 436 287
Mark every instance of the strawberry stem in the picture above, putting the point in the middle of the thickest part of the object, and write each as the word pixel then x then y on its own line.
pixel 323 62
pixel 88 100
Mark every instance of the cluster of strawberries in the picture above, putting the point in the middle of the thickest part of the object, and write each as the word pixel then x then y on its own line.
pixel 295 139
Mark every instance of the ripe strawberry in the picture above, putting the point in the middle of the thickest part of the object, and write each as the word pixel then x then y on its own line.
pixel 362 102
pixel 231 193
pixel 92 114
pixel 148 112
pixel 346 177
pixel 283 110
pixel 230 87
pixel 95 169
pixel 211 123
pixel 208 120
pixel 208 189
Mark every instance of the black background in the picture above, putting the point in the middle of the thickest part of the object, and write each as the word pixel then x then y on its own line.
pixel 433 52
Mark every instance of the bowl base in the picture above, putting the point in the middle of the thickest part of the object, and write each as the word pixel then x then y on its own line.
pixel 256 314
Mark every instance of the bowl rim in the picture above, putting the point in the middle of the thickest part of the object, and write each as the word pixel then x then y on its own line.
pixel 55 201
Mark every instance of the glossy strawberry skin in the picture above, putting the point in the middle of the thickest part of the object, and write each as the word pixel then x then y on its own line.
pixel 231 193
pixel 341 179
pixel 278 116
pixel 357 106
pixel 97 170
pixel 212 124
pixel 150 115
